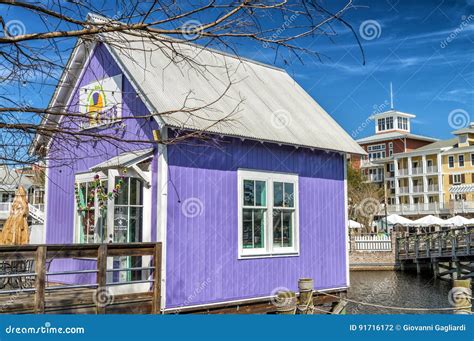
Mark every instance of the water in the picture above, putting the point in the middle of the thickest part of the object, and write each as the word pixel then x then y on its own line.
pixel 396 289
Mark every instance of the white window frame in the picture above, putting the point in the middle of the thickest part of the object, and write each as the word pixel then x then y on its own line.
pixel 449 158
pixel 454 179
pixel 268 250
pixel 463 160
pixel 472 159
pixel 83 178
pixel 112 174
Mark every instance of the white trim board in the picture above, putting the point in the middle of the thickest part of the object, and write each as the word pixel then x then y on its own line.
pixel 162 209
pixel 246 300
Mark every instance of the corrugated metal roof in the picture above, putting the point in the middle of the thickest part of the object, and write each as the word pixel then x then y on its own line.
pixel 126 159
pixel 393 135
pixel 262 102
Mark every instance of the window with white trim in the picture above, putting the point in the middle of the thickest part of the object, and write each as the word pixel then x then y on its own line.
pixel 381 124
pixel 93 201
pixel 461 160
pixel 389 122
pixel 451 161
pixel 457 179
pixel 472 159
pixel 268 213
pixel 91 215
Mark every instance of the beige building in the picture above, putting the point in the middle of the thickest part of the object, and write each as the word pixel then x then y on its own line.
pixel 435 179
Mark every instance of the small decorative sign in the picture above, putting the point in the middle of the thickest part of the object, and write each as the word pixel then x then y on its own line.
pixel 101 102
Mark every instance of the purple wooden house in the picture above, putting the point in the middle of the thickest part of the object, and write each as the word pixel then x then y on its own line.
pixel 256 203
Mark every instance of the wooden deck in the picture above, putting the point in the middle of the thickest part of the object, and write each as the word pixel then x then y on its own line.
pixel 39 295
pixel 451 250
pixel 33 290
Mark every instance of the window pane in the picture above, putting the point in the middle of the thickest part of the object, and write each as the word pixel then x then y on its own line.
pixel 121 224
pixel 282 228
pixel 121 187
pixel 102 226
pixel 135 224
pixel 261 193
pixel 287 238
pixel 289 195
pixel 253 225
pixel 259 225
pixel 247 228
pixel 278 194
pixel 249 193
pixel 136 192
pixel 277 217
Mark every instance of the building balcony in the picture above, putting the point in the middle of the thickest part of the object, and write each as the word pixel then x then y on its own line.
pixel 417 171
pixel 402 172
pixel 403 190
pixel 417 189
pixel 431 169
pixel 453 207
pixel 433 188
pixel 375 177
pixel 36 211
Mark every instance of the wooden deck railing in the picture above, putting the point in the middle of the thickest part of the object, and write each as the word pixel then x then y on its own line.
pixel 40 257
pixel 452 243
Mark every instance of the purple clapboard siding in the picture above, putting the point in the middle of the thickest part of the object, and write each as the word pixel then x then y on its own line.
pixel 202 248
pixel 66 158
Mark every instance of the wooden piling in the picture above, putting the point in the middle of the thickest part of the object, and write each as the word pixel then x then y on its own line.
pixel 286 303
pixel 461 295
pixel 101 278
pixel 305 301
pixel 40 281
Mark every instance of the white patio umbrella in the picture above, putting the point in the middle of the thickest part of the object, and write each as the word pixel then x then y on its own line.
pixel 458 221
pixel 354 224
pixel 429 220
pixel 394 219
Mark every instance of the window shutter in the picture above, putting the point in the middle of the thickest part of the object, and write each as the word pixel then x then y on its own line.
pixel 463 178
pixel 450 179
pixel 472 177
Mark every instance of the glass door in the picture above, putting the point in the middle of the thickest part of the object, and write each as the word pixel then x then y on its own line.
pixel 128 224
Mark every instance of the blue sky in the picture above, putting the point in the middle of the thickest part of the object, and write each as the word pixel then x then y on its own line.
pixel 431 77
pixel 408 46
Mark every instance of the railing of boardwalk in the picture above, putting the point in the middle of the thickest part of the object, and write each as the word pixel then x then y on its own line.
pixel 373 243
pixel 448 243
pixel 28 278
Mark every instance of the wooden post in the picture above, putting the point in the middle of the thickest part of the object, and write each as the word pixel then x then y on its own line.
pixel 305 302
pixel 157 279
pixel 40 280
pixel 461 296
pixel 101 277
pixel 435 269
